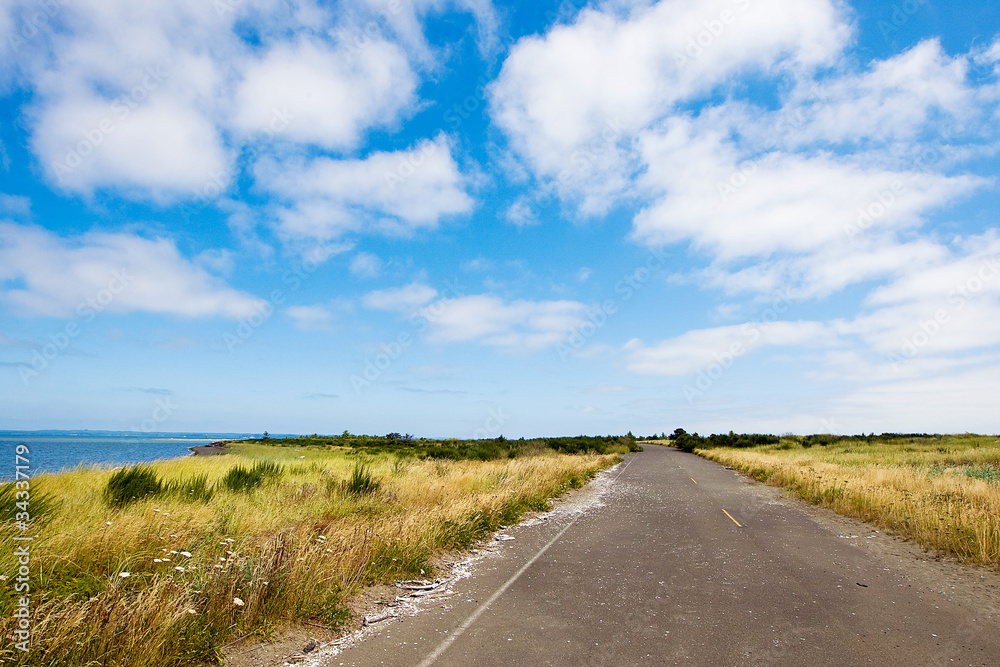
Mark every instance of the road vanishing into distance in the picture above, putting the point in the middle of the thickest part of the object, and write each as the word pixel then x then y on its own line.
pixel 683 562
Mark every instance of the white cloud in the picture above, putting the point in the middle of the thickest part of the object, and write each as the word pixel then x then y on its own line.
pixel 156 99
pixel 329 95
pixel 939 310
pixel 779 202
pixel 404 299
pixel 395 192
pixel 825 271
pixel 973 259
pixel 125 95
pixel 568 98
pixel 520 213
pixel 807 223
pixel 492 321
pixel 117 273
pixel 989 56
pixel 162 147
pixel 366 265
pixel 700 348
pixel 894 100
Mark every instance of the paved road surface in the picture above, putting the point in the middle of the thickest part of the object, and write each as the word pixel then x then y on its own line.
pixel 686 563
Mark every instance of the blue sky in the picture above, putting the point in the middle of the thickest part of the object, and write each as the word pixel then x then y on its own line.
pixel 467 219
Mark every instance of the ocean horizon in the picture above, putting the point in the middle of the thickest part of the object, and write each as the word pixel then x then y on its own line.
pixel 53 451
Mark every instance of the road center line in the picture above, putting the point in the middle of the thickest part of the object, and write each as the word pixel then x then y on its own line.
pixel 731 517
pixel 692 479
pixel 450 639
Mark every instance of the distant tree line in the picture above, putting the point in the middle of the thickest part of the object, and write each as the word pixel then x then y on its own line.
pixel 689 441
pixel 459 449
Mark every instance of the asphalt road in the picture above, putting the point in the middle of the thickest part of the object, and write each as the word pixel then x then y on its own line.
pixel 683 562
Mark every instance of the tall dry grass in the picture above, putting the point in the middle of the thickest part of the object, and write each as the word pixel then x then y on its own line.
pixel 942 492
pixel 168 580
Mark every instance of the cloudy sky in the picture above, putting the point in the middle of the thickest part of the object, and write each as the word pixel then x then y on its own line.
pixel 456 218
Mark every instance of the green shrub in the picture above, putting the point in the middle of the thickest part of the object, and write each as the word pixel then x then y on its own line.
pixel 822 439
pixel 742 439
pixel 684 441
pixel 243 479
pixel 191 488
pixel 362 481
pixel 131 484
pixel 687 442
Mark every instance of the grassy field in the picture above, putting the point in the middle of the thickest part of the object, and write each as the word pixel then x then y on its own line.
pixel 247 542
pixel 941 491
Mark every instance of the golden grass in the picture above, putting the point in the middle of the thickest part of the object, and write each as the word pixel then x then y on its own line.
pixel 942 492
pixel 294 548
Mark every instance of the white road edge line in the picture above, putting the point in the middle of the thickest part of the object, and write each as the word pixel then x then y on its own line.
pixel 450 639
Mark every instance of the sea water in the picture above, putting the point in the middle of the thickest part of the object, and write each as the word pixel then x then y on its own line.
pixel 52 451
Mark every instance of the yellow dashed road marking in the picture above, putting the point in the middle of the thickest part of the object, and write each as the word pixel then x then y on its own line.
pixel 731 517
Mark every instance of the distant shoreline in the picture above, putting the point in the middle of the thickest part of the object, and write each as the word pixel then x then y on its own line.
pixel 212 449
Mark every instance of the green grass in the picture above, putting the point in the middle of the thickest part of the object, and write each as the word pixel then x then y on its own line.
pixel 241 478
